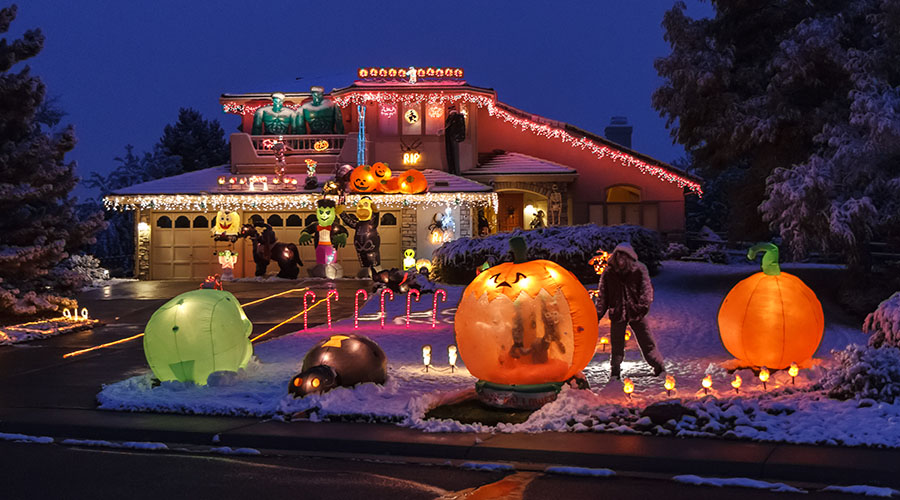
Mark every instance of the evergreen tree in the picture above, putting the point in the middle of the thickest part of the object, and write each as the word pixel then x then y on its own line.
pixel 792 107
pixel 39 227
pixel 199 143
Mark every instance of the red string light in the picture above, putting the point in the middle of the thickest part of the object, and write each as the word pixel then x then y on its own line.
pixel 305 309
pixel 434 305
pixel 383 291
pixel 328 304
pixel 356 307
pixel 408 298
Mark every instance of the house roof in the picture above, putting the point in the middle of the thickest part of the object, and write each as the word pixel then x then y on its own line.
pixel 512 163
pixel 206 181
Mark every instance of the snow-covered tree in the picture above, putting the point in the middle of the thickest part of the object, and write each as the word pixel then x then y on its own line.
pixel 802 98
pixel 884 323
pixel 199 143
pixel 39 227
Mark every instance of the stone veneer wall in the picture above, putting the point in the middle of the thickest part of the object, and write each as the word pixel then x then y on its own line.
pixel 408 228
pixel 544 189
pixel 465 222
pixel 142 245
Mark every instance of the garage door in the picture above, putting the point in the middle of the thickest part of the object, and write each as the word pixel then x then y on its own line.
pixel 181 246
pixel 288 225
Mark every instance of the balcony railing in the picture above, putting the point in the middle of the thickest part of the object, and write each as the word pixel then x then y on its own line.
pixel 326 144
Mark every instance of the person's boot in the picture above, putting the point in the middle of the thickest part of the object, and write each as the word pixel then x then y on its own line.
pixel 658 369
pixel 615 372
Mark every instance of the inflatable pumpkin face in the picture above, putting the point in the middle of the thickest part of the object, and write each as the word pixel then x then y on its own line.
pixel 772 318
pixel 525 323
pixel 381 171
pixel 362 179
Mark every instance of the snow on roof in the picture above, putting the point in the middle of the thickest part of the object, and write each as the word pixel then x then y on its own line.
pixel 511 163
pixel 444 182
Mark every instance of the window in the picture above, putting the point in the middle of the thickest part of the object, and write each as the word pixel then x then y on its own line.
pixel 201 221
pixel 388 220
pixel 434 119
pixel 256 219
pixel 182 222
pixel 294 220
pixel 623 194
pixel 411 119
pixel 275 220
pixel 164 222
pixel 387 118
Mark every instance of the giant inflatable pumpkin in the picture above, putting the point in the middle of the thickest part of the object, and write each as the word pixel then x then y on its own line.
pixel 524 323
pixel 772 318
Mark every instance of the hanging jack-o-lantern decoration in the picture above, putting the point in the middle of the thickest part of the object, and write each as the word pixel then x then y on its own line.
pixel 320 145
pixel 772 318
pixel 362 179
pixel 412 181
pixel 525 322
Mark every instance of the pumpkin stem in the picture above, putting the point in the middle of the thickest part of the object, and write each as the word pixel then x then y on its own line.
pixel 769 263
pixel 519 247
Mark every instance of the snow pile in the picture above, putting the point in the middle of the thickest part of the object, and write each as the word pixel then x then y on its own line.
pixel 41 329
pixel 864 373
pixel 487 466
pixel 227 450
pixel 884 323
pixel 24 438
pixel 859 489
pixel 131 445
pixel 579 471
pixel 741 482
pixel 683 319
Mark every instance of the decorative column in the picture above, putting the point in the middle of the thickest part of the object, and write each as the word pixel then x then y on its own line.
pixel 142 245
pixel 408 228
pixel 465 221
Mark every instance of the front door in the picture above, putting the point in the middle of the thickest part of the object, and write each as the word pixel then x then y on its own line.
pixel 509 217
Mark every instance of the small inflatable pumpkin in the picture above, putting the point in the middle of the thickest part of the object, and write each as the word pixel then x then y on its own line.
pixel 772 318
pixel 381 171
pixel 391 185
pixel 521 323
pixel 412 181
pixel 362 180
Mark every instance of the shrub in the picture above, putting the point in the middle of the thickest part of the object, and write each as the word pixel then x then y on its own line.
pixel 569 246
pixel 884 323
pixel 83 270
pixel 864 372
pixel 677 251
pixel 711 253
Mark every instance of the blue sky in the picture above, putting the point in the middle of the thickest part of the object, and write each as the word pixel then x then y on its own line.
pixel 121 69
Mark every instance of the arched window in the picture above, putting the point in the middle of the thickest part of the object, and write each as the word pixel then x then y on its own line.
pixel 164 222
pixel 275 220
pixel 201 221
pixel 294 220
pixel 310 219
pixel 388 220
pixel 256 219
pixel 182 222
pixel 623 194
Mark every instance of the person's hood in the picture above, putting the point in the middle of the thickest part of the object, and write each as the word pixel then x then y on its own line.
pixel 627 249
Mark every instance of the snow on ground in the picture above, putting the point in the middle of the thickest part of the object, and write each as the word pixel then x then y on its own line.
pixel 869 491
pixel 741 482
pixel 24 438
pixel 683 319
pixel 579 471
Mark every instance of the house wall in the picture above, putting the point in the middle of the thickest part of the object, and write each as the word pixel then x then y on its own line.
pixel 595 175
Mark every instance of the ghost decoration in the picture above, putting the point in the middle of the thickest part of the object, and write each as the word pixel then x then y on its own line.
pixel 195 334
pixel 339 361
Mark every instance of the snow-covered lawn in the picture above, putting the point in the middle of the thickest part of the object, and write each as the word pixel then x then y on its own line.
pixel 683 319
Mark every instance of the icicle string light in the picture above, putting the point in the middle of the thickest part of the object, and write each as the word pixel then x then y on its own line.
pixel 365 297
pixel 408 298
pixel 551 131
pixel 305 309
pixel 331 293
pixel 443 294
pixel 384 291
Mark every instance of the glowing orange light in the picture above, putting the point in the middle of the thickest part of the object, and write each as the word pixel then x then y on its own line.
pixel 736 383
pixel 627 335
pixel 764 374
pixel 628 386
pixel 670 383
pixel 221 180
pixel 794 370
pixel 706 383
pixel 315 383
pixel 411 158
pixel 297 382
pixel 321 145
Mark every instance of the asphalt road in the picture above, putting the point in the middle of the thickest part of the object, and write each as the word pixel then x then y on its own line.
pixel 36 471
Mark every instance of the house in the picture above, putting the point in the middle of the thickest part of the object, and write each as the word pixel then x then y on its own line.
pixel 483 160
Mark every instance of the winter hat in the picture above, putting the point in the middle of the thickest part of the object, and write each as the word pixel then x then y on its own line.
pixel 627 249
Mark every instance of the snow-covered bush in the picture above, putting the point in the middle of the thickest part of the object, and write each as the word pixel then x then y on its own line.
pixel 677 251
pixel 864 373
pixel 569 246
pixel 711 253
pixel 884 323
pixel 83 270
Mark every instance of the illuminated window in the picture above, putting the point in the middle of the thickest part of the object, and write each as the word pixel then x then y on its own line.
pixel 623 194
pixel 434 119
pixel 411 121
pixel 387 118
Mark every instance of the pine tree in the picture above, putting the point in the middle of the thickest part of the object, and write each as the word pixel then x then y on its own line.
pixel 793 107
pixel 199 143
pixel 39 227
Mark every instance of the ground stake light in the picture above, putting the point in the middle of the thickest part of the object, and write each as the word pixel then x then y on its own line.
pixel 627 387
pixel 764 376
pixel 426 356
pixel 604 342
pixel 771 318
pixel 736 383
pixel 451 356
pixel 793 371
pixel 669 384
pixel 706 383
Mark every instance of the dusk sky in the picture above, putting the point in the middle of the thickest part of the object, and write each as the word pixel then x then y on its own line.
pixel 122 69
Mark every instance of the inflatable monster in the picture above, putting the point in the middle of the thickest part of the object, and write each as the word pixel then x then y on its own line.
pixel 339 361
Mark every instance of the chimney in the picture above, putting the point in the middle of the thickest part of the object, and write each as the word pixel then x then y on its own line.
pixel 619 131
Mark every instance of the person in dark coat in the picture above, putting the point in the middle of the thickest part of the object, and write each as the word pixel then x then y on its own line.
pixel 454 132
pixel 626 292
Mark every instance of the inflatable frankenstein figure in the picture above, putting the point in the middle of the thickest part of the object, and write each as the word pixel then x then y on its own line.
pixel 327 234
pixel 319 116
pixel 274 119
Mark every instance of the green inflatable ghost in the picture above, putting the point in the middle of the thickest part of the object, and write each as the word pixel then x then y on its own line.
pixel 197 333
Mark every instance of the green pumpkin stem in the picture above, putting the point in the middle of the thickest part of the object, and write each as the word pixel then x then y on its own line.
pixel 519 248
pixel 769 263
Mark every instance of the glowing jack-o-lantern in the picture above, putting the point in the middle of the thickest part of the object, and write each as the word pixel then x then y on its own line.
pixel 320 145
pixel 525 322
pixel 771 318
pixel 362 179
pixel 381 171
